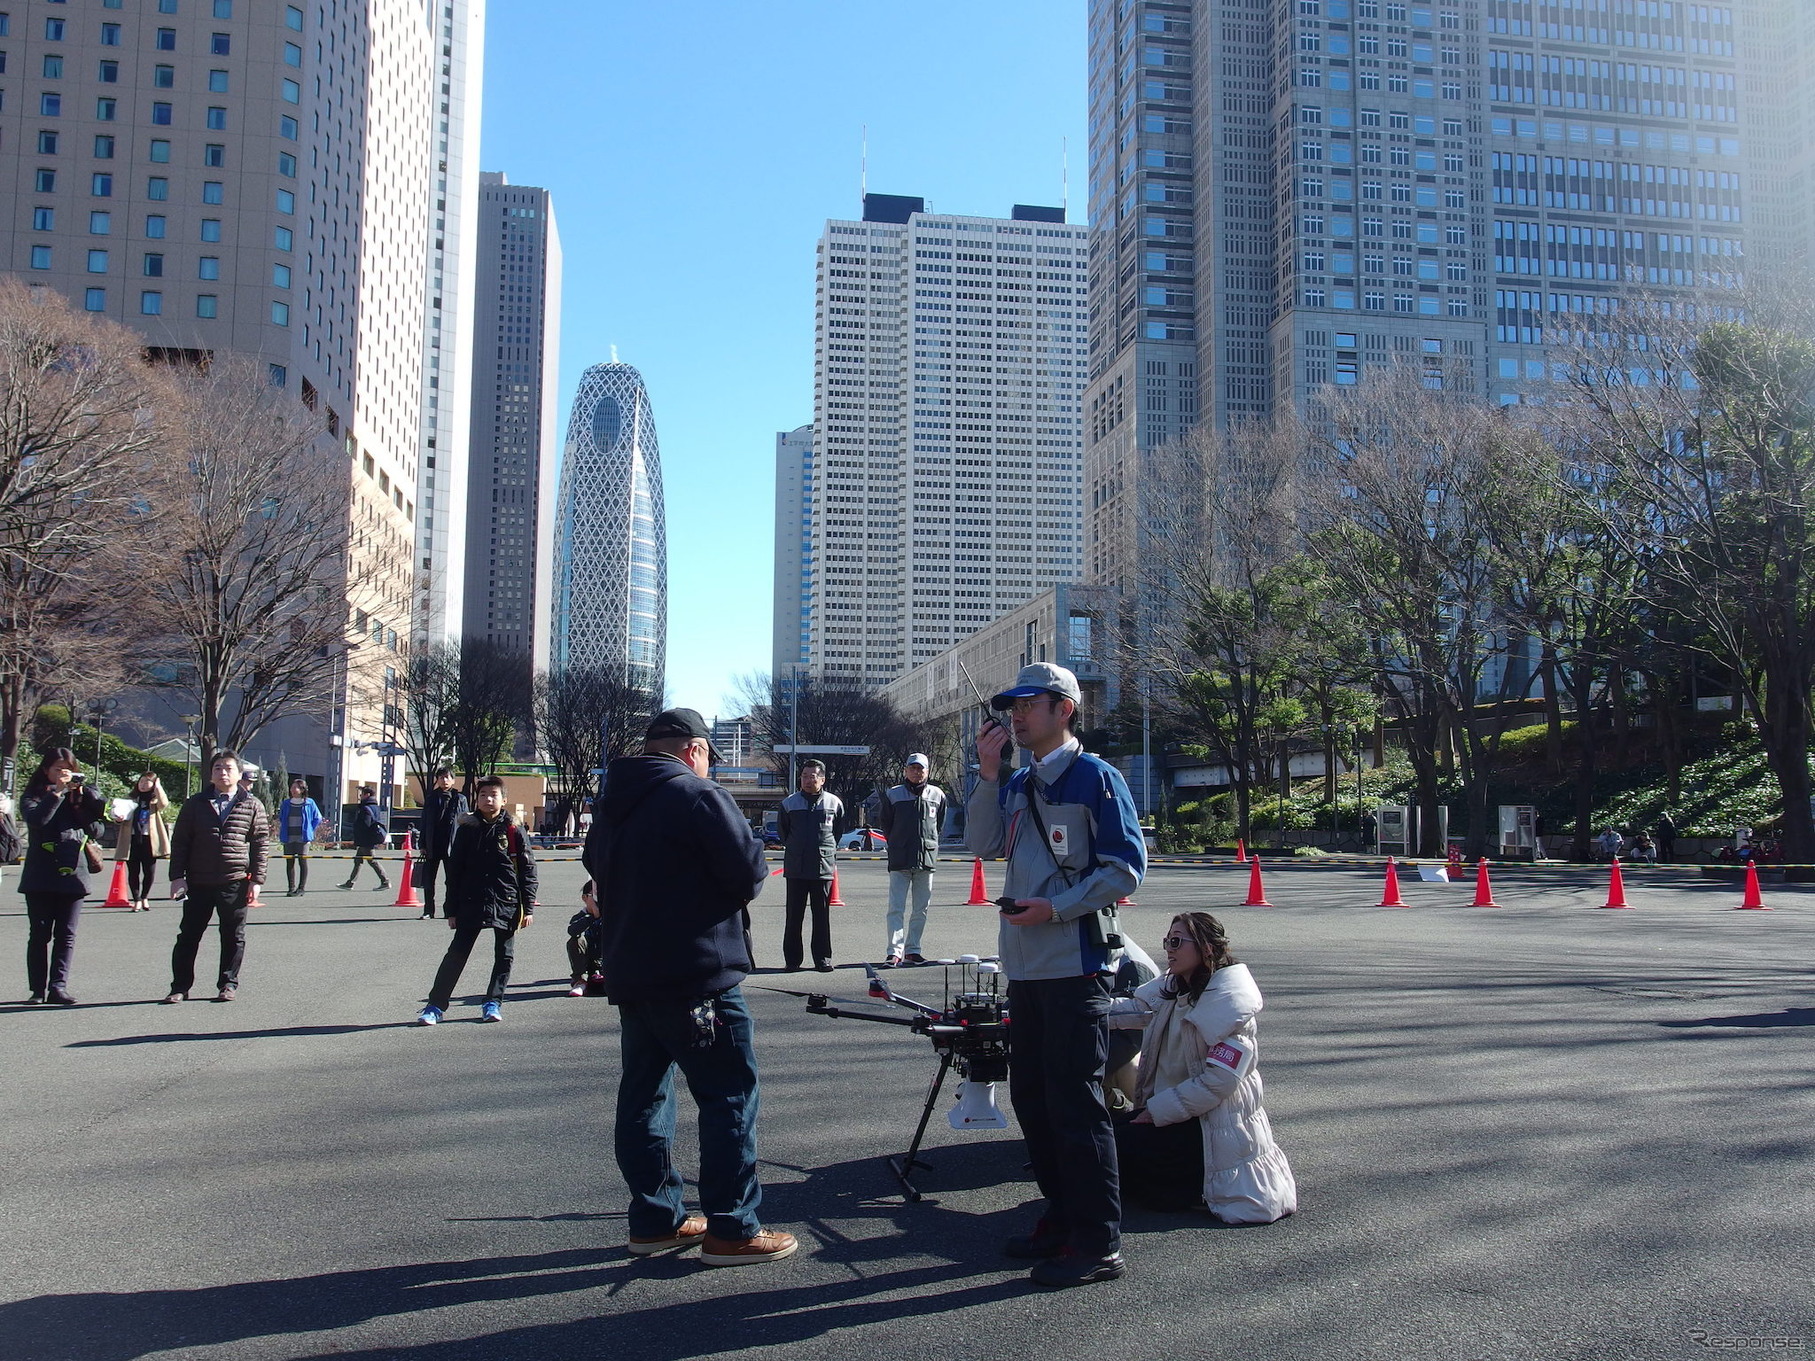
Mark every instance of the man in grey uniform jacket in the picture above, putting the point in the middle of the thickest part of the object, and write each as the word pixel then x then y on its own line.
pixel 808 827
pixel 1068 827
pixel 912 812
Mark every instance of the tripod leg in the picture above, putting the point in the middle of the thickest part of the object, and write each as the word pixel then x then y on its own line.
pixel 910 1160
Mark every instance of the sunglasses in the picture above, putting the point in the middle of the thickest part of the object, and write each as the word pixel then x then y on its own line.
pixel 1177 942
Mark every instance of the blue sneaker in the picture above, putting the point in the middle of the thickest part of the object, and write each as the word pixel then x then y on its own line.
pixel 491 1012
pixel 428 1016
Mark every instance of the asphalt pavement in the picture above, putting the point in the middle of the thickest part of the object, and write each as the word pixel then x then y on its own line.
pixel 1542 1130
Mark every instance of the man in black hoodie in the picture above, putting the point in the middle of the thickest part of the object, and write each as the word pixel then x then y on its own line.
pixel 676 868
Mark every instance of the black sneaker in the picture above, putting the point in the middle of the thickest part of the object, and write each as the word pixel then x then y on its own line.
pixel 1072 1268
pixel 1044 1241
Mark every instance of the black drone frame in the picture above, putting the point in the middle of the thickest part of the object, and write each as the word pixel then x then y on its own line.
pixel 972 1039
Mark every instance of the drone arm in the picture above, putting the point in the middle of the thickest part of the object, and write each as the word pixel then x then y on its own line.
pixel 861 1016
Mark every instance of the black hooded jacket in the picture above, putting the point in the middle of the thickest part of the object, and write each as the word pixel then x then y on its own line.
pixel 675 866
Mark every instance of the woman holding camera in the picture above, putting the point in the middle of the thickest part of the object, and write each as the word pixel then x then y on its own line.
pixel 58 808
pixel 144 838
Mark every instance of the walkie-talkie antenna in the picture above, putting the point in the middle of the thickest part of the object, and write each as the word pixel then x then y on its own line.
pixel 989 714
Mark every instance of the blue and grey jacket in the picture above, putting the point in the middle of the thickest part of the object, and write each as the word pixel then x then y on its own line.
pixel 1091 856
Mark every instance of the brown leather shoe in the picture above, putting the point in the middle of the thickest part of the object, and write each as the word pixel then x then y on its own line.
pixel 690 1231
pixel 766 1245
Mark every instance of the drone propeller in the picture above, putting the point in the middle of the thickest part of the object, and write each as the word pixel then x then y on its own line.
pixel 881 990
pixel 824 996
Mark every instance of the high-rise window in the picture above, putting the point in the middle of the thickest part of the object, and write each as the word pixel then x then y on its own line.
pixel 217 82
pixel 211 229
pixel 220 45
pixel 97 262
pixel 44 219
pixel 206 305
pixel 47 144
pixel 214 155
pixel 151 304
pixel 155 226
pixel 161 114
pixel 160 150
pixel 110 35
pixel 45 181
pixel 101 186
pixel 157 188
pixel 208 267
pixel 153 267
pixel 109 73
pixel 40 257
pixel 164 77
pixel 53 66
pixel 95 300
pixel 213 191
pixel 166 40
pixel 100 224
pixel 217 119
pixel 105 110
pixel 50 105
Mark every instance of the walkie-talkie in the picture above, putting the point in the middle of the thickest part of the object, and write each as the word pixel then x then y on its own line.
pixel 990 715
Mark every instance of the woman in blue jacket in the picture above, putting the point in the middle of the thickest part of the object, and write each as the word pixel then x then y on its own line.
pixel 59 809
pixel 297 818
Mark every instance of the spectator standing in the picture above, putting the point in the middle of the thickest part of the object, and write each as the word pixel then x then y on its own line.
pixel 1068 827
pixel 675 869
pixel 143 838
pixel 1665 832
pixel 298 820
pixel 491 886
pixel 59 811
pixel 369 833
pixel 218 853
pixel 807 825
pixel 911 814
pixel 441 813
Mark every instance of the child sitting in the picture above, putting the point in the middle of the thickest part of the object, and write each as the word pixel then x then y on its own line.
pixel 1199 1128
pixel 583 946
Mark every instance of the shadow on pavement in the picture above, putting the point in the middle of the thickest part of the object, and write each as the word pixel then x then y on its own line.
pixel 921 1261
pixel 183 1037
pixel 1788 1018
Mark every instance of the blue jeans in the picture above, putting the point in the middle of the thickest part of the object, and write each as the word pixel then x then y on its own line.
pixel 656 1038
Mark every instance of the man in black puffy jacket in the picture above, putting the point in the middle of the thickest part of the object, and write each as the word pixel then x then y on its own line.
pixel 675 867
pixel 491 886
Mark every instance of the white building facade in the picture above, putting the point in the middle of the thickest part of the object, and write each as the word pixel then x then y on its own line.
pixel 946 482
pixel 793 548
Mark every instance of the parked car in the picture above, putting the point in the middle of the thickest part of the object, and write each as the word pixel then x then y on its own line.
pixel 863 839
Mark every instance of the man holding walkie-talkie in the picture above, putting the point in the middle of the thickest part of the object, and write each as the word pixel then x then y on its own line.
pixel 1068 828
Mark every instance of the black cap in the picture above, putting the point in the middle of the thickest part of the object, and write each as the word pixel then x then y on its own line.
pixel 682 723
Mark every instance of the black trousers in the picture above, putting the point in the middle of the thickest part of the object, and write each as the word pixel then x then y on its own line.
pixel 447 977
pixel 1162 1166
pixel 428 870
pixel 1058 1046
pixel 801 893
pixel 50 945
pixel 200 908
pixel 296 865
pixel 141 869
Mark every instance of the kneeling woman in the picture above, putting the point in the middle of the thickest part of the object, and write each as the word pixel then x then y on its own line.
pixel 1199 1129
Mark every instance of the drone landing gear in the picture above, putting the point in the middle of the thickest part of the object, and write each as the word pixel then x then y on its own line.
pixel 907 1162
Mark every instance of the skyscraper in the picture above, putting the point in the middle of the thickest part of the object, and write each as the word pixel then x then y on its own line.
pixel 949 368
pixel 441 525
pixel 510 530
pixel 267 180
pixel 1288 195
pixel 611 587
pixel 793 548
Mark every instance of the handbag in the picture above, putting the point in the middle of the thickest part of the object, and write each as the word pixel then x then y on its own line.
pixel 92 854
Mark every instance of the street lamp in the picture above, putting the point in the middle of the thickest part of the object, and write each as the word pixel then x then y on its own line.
pixel 100 710
pixel 189 755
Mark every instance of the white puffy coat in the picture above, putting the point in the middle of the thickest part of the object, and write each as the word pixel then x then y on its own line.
pixel 1201 1060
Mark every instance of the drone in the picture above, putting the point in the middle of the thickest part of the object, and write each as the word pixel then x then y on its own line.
pixel 969 1033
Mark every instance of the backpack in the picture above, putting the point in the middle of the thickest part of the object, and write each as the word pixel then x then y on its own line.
pixel 12 845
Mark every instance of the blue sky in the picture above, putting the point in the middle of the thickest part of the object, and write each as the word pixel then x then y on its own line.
pixel 694 152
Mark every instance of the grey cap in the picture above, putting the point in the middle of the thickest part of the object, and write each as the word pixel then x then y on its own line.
pixel 1040 678
pixel 918 758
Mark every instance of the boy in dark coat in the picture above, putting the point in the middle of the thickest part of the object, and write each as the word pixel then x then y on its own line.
pixel 369 833
pixel 491 886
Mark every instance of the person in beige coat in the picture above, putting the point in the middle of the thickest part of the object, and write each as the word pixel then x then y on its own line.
pixel 1199 1067
pixel 144 838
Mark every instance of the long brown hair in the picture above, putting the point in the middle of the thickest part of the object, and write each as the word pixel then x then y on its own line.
pixel 1212 942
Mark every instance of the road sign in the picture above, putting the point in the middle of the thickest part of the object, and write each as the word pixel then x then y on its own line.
pixel 797 749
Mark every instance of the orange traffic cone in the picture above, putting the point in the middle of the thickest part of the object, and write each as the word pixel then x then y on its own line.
pixel 835 900
pixel 1392 898
pixel 1616 887
pixel 1484 889
pixel 1755 900
pixel 979 891
pixel 1241 851
pixel 116 891
pixel 408 895
pixel 1257 894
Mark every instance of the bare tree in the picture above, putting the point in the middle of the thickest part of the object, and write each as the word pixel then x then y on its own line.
pixel 78 428
pixel 576 709
pixel 430 691
pixel 494 704
pixel 1418 480
pixel 254 525
pixel 819 711
pixel 1694 433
